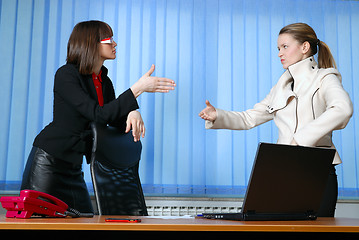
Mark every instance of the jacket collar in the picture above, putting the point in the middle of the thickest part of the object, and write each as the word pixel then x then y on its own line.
pixel 304 75
pixel 87 82
pixel 307 78
pixel 301 73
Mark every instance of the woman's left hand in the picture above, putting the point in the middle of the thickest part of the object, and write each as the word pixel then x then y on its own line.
pixel 147 83
pixel 135 122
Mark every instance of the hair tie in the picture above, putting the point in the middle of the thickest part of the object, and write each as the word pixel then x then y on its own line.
pixel 318 41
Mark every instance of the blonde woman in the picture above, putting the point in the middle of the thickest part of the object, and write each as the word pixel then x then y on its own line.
pixel 307 104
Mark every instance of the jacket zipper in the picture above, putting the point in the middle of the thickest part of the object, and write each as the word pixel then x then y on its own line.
pixel 296 114
pixel 296 106
pixel 313 103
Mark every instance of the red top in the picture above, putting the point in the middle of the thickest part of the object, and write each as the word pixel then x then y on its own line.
pixel 98 86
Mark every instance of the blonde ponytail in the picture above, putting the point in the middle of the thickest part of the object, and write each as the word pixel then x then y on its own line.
pixel 325 57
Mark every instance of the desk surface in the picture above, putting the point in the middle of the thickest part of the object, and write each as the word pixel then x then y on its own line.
pixel 181 224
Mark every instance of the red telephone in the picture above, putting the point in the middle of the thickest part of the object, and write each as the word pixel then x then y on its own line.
pixel 34 202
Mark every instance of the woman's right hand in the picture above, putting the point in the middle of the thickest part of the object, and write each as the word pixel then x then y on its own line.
pixel 209 113
pixel 147 83
pixel 135 122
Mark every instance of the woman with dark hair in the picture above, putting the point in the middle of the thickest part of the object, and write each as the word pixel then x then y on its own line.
pixel 307 104
pixel 83 93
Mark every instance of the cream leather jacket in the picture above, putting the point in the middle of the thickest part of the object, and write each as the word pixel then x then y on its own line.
pixel 306 104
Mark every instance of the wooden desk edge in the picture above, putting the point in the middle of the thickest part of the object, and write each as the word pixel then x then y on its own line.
pixel 99 224
pixel 151 228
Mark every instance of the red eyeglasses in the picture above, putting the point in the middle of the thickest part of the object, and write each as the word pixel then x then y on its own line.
pixel 107 40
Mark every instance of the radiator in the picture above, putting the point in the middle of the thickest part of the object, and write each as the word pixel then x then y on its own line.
pixel 188 206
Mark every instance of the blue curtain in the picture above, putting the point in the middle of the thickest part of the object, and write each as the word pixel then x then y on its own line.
pixel 224 51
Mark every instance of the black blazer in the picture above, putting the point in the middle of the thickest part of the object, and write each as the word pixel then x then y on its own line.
pixel 67 137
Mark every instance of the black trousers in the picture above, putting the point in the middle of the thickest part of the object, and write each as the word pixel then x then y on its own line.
pixel 329 200
pixel 58 178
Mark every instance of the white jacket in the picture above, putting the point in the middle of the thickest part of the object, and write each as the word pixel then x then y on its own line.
pixel 317 105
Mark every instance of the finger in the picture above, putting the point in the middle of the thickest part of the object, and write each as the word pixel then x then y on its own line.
pixel 128 126
pixel 134 132
pixel 164 89
pixel 139 130
pixel 165 86
pixel 208 104
pixel 204 115
pixel 152 69
pixel 165 82
pixel 143 131
pixel 162 81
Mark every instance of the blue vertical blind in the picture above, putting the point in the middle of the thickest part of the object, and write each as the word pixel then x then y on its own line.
pixel 224 51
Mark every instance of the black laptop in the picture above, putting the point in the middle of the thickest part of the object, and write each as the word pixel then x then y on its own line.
pixel 286 183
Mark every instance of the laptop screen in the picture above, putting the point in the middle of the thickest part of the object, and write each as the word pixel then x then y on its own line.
pixel 287 179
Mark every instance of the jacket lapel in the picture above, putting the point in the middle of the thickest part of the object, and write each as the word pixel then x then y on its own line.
pixel 281 93
pixel 87 84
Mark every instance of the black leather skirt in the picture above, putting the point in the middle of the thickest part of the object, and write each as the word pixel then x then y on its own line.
pixel 58 178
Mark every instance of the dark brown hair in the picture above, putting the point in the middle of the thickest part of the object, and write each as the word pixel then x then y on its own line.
pixel 83 45
pixel 304 33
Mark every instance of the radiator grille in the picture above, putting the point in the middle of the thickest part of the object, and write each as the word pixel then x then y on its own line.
pixel 156 207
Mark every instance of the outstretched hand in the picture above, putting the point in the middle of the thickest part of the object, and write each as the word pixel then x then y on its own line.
pixel 147 83
pixel 209 113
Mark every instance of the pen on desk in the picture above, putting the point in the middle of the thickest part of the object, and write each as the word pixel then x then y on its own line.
pixel 128 220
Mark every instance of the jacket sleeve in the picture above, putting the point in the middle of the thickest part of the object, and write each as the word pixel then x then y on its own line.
pixel 242 120
pixel 69 87
pixel 337 113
